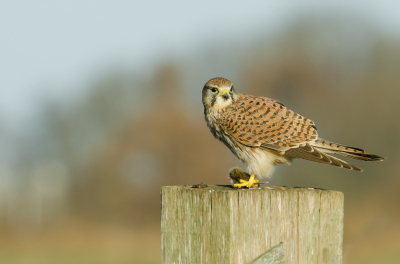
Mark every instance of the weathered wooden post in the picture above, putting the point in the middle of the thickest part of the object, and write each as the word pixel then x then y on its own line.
pixel 223 225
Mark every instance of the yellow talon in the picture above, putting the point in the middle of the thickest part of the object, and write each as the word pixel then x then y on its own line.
pixel 249 184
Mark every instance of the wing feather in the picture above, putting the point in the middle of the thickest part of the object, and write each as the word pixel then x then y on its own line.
pixel 266 123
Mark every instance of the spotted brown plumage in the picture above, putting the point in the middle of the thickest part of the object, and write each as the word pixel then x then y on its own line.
pixel 265 123
pixel 262 132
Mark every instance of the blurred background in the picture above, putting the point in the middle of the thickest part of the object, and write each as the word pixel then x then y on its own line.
pixel 100 106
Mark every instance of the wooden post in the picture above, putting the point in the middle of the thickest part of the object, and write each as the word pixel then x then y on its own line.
pixel 222 225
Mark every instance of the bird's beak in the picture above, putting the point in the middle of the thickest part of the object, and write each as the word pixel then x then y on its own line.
pixel 225 94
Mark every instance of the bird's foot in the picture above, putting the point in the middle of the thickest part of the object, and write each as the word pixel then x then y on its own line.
pixel 251 183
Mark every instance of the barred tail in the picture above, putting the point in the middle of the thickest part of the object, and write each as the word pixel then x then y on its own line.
pixel 312 153
pixel 354 153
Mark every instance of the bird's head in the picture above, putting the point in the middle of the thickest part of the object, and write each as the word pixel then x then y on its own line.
pixel 218 93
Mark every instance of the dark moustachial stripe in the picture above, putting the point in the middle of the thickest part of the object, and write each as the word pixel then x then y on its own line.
pixel 214 99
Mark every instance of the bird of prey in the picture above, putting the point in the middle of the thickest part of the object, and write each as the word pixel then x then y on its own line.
pixel 262 132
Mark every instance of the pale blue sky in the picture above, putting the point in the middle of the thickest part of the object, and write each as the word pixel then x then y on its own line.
pixel 55 49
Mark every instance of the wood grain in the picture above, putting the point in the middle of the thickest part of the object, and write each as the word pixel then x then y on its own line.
pixel 274 255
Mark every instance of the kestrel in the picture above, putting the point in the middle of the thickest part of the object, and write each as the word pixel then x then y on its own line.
pixel 262 132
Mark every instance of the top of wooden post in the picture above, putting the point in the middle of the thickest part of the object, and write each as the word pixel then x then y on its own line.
pixel 229 188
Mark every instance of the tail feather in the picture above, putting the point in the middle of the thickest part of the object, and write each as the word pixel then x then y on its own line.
pixel 311 153
pixel 363 156
pixel 354 153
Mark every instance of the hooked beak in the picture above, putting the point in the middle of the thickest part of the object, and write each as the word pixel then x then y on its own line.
pixel 225 94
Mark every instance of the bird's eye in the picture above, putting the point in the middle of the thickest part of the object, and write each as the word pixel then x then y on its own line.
pixel 214 90
pixel 231 89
